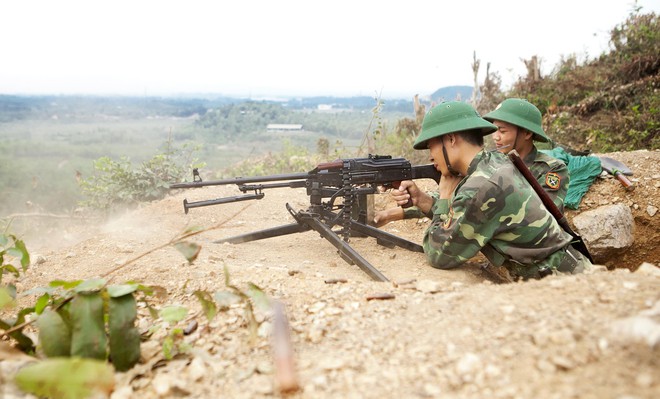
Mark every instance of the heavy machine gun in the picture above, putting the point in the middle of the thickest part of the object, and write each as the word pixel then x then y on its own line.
pixel 336 220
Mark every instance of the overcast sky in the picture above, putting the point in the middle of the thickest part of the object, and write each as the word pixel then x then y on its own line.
pixel 289 47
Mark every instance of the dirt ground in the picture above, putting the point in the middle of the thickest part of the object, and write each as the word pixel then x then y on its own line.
pixel 449 334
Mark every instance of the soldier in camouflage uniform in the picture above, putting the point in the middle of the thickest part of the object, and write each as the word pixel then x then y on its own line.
pixel 518 126
pixel 484 203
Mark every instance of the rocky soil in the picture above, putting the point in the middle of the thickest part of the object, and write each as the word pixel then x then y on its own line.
pixel 426 333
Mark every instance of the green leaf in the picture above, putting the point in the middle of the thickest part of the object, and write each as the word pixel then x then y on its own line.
pixel 94 284
pixel 225 298
pixel 88 338
pixel 193 229
pixel 124 336
pixel 54 334
pixel 5 298
pixel 67 285
pixel 168 347
pixel 10 268
pixel 190 250
pixel 259 297
pixel 157 290
pixel 41 303
pixel 208 306
pixel 152 312
pixel 121 290
pixel 24 342
pixel 11 289
pixel 24 254
pixel 67 378
pixel 37 291
pixel 173 313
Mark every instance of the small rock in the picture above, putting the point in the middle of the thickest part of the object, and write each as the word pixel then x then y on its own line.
pixel 648 269
pixel 149 349
pixel 432 390
pixel 161 384
pixel 315 334
pixel 563 363
pixel 468 363
pixel 125 392
pixel 545 366
pixel 265 329
pixel 507 309
pixel 39 259
pixel 381 296
pixel 197 369
pixel 651 210
pixel 316 307
pixel 644 380
pixel 429 286
pixel 190 328
pixel 638 328
pixel 596 269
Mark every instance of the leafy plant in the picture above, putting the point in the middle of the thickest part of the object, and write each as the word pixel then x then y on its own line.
pixel 251 299
pixel 173 343
pixel 62 378
pixel 119 184
pixel 73 322
pixel 12 249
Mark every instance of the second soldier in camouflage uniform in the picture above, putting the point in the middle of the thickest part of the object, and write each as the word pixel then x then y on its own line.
pixel 519 124
pixel 484 203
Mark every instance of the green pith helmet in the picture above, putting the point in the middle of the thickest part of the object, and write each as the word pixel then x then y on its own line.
pixel 451 117
pixel 521 113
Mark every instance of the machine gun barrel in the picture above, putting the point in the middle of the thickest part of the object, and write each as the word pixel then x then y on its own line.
pixel 197 180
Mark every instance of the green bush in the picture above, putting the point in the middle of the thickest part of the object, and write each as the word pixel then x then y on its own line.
pixel 117 184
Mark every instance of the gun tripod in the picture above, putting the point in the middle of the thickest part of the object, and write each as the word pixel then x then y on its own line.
pixel 323 219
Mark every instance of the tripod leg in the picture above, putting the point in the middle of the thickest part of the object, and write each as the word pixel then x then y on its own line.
pixel 345 250
pixel 267 233
pixel 384 238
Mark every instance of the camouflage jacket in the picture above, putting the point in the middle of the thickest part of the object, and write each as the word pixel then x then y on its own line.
pixel 551 173
pixel 494 210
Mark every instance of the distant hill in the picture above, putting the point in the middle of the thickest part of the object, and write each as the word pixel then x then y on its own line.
pixel 451 93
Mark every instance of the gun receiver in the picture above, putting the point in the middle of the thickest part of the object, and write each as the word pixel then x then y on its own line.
pixel 350 179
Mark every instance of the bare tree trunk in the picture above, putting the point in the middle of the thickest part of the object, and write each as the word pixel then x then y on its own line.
pixel 420 110
pixel 475 72
pixel 533 69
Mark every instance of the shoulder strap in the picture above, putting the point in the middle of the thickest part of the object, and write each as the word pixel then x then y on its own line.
pixel 578 243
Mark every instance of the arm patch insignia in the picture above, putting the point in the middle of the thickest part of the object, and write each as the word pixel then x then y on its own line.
pixel 552 180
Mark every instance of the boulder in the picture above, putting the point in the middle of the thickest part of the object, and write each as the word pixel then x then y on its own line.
pixel 605 230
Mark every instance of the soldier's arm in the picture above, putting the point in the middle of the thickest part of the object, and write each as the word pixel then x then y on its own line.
pixel 458 231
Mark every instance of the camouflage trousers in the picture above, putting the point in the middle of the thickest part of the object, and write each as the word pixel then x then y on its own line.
pixel 566 261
